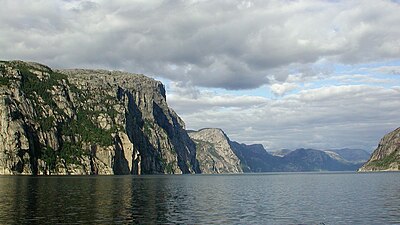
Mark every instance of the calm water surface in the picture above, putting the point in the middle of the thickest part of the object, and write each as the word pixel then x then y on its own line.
pixel 279 198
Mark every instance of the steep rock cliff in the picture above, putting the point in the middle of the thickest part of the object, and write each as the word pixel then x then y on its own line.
pixel 386 156
pixel 214 152
pixel 88 122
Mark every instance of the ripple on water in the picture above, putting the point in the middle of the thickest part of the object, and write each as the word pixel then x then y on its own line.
pixel 279 198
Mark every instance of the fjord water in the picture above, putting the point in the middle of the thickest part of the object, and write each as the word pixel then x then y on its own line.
pixel 272 198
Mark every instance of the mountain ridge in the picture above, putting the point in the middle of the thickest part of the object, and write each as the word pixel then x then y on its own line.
pixel 254 158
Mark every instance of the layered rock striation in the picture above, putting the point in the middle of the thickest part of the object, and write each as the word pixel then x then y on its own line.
pixel 386 156
pixel 88 122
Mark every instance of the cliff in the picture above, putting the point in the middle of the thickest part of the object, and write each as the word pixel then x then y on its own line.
pixel 88 122
pixel 214 152
pixel 386 156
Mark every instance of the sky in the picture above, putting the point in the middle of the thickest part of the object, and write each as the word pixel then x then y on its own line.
pixel 285 74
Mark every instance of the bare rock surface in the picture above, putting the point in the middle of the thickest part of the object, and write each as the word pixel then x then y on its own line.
pixel 214 152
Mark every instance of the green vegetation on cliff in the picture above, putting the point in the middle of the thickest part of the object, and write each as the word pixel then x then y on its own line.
pixel 88 122
pixel 87 130
pixel 387 155
pixel 384 163
pixel 37 83
pixel 4 81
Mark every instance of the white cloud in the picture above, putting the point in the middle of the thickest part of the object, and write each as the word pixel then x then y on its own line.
pixel 227 44
pixel 204 101
pixel 328 117
pixel 361 78
pixel 391 70
pixel 281 89
pixel 234 44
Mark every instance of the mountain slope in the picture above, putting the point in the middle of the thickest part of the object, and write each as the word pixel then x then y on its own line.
pixel 386 156
pixel 254 158
pixel 88 122
pixel 214 152
pixel 315 160
pixel 352 155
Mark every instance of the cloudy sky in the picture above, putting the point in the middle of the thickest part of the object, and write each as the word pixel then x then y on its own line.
pixel 286 74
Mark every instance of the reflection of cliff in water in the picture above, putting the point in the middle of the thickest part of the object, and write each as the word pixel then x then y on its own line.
pixel 54 200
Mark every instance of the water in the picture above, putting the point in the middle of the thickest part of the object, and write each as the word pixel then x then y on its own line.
pixel 272 198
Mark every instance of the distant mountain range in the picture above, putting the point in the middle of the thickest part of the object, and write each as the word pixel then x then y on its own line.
pixel 254 158
pixel 345 154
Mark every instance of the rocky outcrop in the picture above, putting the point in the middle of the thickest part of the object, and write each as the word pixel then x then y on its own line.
pixel 386 156
pixel 214 152
pixel 88 122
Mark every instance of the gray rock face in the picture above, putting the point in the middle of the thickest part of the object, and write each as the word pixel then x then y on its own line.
pixel 214 152
pixel 88 122
pixel 386 156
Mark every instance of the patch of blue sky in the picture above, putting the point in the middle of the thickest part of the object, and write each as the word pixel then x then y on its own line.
pixel 262 91
pixel 366 68
pixel 361 74
pixel 166 83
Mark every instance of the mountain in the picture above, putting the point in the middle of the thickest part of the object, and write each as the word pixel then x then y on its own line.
pixel 352 155
pixel 315 160
pixel 214 151
pixel 88 122
pixel 254 158
pixel 345 154
pixel 386 156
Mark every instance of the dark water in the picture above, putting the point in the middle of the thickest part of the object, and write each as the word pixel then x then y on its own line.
pixel 281 198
